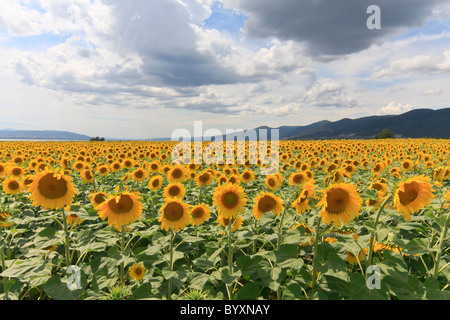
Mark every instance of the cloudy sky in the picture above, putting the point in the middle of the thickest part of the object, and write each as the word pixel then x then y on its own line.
pixel 143 68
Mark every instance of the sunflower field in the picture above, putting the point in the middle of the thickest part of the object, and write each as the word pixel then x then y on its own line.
pixel 118 220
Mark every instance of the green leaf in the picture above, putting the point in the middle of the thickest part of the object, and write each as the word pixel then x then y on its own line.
pixel 249 291
pixel 47 238
pixel 293 291
pixel 58 290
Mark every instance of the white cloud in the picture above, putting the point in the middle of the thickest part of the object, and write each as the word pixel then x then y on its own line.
pixel 432 92
pixel 395 108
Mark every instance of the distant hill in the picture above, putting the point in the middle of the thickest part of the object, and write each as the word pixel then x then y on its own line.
pixel 417 123
pixel 41 134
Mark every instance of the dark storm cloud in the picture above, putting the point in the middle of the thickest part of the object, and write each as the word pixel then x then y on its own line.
pixel 335 27
pixel 160 32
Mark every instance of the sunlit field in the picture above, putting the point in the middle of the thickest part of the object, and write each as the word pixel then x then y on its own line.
pixel 120 220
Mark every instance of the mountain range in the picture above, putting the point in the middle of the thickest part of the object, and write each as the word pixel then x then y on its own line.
pixel 417 123
pixel 41 135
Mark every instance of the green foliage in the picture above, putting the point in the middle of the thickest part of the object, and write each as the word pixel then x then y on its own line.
pixel 385 134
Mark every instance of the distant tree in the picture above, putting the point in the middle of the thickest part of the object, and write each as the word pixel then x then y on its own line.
pixel 97 139
pixel 385 134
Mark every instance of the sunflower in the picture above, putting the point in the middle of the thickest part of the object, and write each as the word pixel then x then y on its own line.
pixel 413 195
pixel 247 176
pixel 447 198
pixel 3 217
pixel 155 183
pixel 73 219
pixel 340 202
pixel 139 174
pixel 26 181
pixel 16 172
pixel 267 202
pixel 174 190
pixel 103 170
pixel 137 272
pixel 177 174
pixel 205 178
pixel 97 198
pixel 175 215
pixel 352 259
pixel 297 178
pixel 2 169
pixel 12 186
pixel 51 190
pixel 200 214
pixel 236 222
pixel 273 182
pixel 229 199
pixel 87 176
pixel 301 203
pixel 121 209
pixel 406 165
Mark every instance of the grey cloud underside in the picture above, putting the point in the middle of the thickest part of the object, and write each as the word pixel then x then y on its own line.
pixel 335 27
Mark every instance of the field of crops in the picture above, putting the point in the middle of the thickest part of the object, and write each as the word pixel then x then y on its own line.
pixel 120 220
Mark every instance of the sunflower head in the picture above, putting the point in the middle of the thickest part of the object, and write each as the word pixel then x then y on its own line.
pixel 155 183
pixel 412 195
pixel 229 199
pixel 340 203
pixel 200 214
pixel 175 215
pixel 174 190
pixel 51 190
pixel 137 272
pixel 267 202
pixel 121 209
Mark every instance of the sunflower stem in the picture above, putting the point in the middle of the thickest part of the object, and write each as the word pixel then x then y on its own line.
pixel 5 280
pixel 66 239
pixel 230 258
pixel 372 235
pixel 316 247
pixel 172 238
pixel 441 245
pixel 122 249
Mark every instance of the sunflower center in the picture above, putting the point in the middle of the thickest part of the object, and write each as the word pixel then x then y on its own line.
pixel 266 204
pixel 204 177
pixel 337 200
pixel 99 198
pixel 138 271
pixel 173 211
pixel 298 178
pixel 51 187
pixel 155 183
pixel 124 205
pixel 246 175
pixel 88 175
pixel 271 182
pixel 410 194
pixel 13 185
pixel 16 171
pixel 177 173
pixel 198 213
pixel 230 199
pixel 174 191
pixel 139 174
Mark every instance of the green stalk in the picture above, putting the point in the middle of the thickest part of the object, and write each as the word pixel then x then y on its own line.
pixel 66 239
pixel 230 258
pixel 372 236
pixel 316 247
pixel 5 280
pixel 122 249
pixel 280 227
pixel 441 246
pixel 172 238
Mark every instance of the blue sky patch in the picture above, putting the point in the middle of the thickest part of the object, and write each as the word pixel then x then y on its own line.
pixel 223 19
